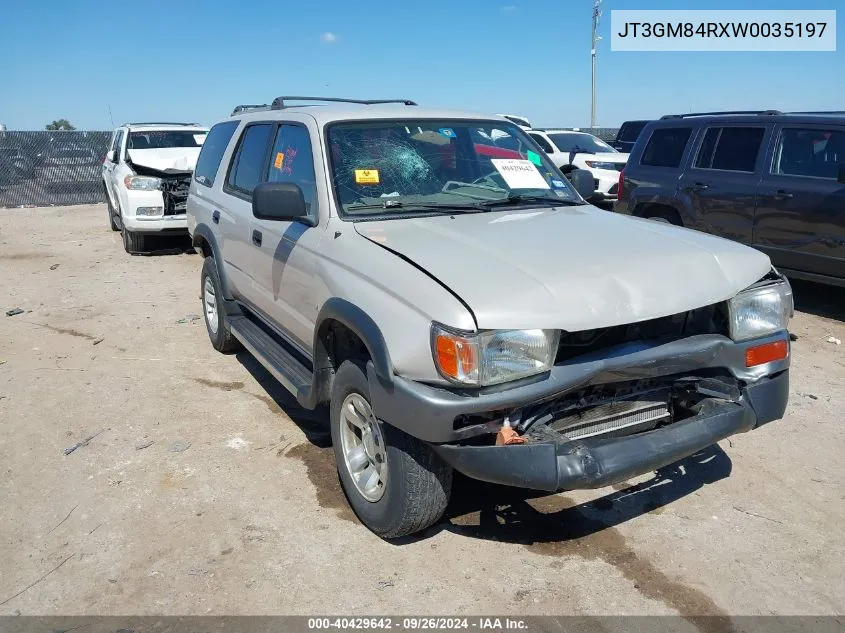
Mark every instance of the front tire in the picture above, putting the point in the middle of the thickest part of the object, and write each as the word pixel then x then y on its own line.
pixel 395 483
pixel 214 311
pixel 133 242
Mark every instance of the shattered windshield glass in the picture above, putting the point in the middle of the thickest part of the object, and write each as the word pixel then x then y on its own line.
pixel 404 166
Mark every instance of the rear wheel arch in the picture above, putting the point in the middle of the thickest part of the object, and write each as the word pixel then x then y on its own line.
pixel 660 211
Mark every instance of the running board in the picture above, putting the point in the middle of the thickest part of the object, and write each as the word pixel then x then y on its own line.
pixel 283 365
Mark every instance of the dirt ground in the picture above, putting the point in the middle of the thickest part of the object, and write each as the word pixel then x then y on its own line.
pixel 207 491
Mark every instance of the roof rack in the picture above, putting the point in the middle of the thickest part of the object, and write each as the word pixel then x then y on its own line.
pixel 279 102
pixel 817 112
pixel 248 106
pixel 161 123
pixel 723 112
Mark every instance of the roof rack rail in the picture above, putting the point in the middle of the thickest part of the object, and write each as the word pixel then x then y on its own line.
pixel 279 102
pixel 249 106
pixel 723 112
pixel 162 123
pixel 816 112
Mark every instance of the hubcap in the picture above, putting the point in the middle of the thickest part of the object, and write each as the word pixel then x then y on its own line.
pixel 362 444
pixel 210 302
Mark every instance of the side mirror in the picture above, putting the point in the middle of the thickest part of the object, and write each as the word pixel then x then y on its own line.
pixel 841 177
pixel 110 156
pixel 280 201
pixel 583 182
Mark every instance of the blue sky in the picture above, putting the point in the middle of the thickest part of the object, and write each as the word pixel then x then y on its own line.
pixel 195 60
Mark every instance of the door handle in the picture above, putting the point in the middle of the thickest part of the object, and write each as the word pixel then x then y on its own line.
pixel 256 238
pixel 215 216
pixel 783 195
pixel 700 186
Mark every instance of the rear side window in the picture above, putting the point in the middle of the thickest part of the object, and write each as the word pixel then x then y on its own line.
pixel 630 131
pixel 730 148
pixel 813 152
pixel 292 161
pixel 212 152
pixel 249 164
pixel 666 147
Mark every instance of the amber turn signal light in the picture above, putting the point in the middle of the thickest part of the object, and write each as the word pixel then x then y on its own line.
pixel 455 355
pixel 766 353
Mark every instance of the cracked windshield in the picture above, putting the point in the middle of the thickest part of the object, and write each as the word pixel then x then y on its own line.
pixel 396 167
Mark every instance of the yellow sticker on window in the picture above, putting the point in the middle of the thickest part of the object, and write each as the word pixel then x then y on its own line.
pixel 280 159
pixel 366 176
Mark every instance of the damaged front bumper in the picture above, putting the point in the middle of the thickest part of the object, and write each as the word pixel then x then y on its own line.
pixel 757 395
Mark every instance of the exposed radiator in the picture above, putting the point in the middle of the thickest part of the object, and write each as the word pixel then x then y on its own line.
pixel 615 418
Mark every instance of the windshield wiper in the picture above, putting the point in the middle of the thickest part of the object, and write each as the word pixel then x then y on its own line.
pixel 517 198
pixel 396 204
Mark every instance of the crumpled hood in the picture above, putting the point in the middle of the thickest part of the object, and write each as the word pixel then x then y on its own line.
pixel 573 268
pixel 181 158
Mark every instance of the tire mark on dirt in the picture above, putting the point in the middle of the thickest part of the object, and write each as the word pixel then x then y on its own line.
pixel 217 384
pixel 62 330
pixel 556 526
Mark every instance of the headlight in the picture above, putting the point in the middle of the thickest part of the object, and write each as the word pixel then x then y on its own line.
pixel 760 311
pixel 144 183
pixel 494 356
pixel 600 165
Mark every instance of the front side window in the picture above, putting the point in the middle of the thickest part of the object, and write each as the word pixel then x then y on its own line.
pixel 248 166
pixel 292 161
pixel 212 152
pixel 579 142
pixel 666 147
pixel 409 166
pixel 163 139
pixel 730 148
pixel 814 152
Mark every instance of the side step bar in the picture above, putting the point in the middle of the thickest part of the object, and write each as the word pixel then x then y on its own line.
pixel 284 366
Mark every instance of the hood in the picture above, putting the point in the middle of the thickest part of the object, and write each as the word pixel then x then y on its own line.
pixel 605 157
pixel 572 268
pixel 180 158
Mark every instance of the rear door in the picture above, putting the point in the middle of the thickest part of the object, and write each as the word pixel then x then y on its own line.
pixel 110 165
pixel 720 185
pixel 800 217
pixel 284 260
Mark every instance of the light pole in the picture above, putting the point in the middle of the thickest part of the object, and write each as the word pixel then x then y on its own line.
pixel 596 38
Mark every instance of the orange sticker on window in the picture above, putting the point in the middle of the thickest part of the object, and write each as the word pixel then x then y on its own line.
pixel 366 176
pixel 280 160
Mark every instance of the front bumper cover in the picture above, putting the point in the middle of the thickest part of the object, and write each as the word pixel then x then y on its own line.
pixel 599 462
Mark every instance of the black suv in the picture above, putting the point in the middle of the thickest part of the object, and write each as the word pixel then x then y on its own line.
pixel 627 135
pixel 771 180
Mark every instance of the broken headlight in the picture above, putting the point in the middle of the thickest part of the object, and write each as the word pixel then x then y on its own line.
pixel 760 310
pixel 142 183
pixel 494 356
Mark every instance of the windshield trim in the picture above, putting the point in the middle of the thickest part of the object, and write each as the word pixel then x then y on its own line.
pixel 350 217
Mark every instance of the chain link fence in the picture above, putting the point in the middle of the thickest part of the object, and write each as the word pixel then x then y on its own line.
pixel 41 169
pixel 51 168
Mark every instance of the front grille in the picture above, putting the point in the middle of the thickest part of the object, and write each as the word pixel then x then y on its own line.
pixel 614 418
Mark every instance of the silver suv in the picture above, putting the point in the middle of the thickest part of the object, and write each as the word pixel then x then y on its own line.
pixel 433 278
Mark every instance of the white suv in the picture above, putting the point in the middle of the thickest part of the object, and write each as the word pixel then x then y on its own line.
pixel 146 175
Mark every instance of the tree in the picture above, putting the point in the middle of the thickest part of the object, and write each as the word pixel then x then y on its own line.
pixel 61 124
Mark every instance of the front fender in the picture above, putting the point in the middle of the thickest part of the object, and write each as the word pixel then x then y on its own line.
pixel 203 235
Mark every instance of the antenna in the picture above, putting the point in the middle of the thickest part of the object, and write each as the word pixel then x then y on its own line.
pixel 111 118
pixel 595 39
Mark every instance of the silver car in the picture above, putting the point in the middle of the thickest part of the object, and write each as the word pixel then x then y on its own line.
pixel 458 306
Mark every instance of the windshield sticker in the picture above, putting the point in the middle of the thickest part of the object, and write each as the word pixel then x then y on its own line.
pixel 534 157
pixel 280 159
pixel 558 184
pixel 520 174
pixel 447 132
pixel 366 176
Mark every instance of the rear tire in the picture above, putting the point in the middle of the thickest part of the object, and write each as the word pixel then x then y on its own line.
pixel 417 482
pixel 214 310
pixel 667 217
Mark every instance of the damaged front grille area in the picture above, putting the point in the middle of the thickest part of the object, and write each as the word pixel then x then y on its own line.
pixel 614 418
pixel 175 193
pixel 711 319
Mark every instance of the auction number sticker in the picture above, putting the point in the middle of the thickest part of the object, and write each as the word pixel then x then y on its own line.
pixel 520 174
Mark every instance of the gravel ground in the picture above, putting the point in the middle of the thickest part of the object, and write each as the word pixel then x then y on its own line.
pixel 206 490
